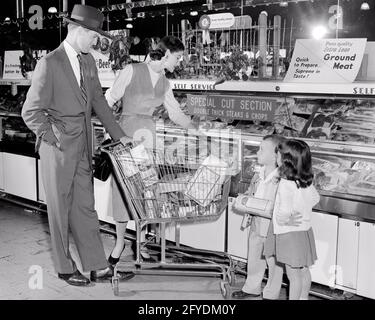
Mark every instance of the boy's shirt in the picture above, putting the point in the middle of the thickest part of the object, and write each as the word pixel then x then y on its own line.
pixel 263 188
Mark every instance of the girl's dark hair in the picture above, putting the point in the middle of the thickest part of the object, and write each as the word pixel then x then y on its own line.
pixel 296 162
pixel 172 43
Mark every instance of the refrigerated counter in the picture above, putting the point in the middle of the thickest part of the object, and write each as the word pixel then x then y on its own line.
pixel 338 123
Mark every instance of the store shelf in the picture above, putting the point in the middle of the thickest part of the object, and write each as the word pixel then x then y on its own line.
pixel 9 114
pixel 355 88
pixel 18 82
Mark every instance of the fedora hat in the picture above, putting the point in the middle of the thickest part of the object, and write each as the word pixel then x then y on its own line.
pixel 89 18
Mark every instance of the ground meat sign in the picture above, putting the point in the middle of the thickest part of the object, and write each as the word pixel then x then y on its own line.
pixel 232 107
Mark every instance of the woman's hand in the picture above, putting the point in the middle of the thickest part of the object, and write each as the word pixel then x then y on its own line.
pixel 125 140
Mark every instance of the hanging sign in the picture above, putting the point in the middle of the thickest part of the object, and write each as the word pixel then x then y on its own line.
pixel 232 107
pixel 101 52
pixel 326 60
pixel 216 21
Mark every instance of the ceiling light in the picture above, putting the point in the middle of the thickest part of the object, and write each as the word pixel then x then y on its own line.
pixel 52 10
pixel 7 19
pixel 319 32
pixel 283 4
pixel 129 19
pixel 129 26
pixel 194 13
pixel 365 6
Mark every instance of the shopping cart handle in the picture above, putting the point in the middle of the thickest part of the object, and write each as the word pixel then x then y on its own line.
pixel 113 144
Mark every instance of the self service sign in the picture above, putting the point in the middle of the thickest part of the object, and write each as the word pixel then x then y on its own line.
pixel 232 107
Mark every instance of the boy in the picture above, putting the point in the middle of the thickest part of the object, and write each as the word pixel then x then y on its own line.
pixel 264 186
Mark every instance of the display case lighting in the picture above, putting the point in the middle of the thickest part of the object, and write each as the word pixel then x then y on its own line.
pixel 52 10
pixel 194 13
pixel 319 32
pixel 365 6
pixel 283 4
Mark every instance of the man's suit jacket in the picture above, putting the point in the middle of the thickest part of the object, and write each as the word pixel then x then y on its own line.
pixel 55 102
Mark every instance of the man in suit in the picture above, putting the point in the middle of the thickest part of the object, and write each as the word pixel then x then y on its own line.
pixel 64 89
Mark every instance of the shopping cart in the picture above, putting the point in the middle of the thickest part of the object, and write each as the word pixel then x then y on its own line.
pixel 164 190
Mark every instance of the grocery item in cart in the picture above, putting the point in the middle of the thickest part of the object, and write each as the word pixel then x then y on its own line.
pixel 170 183
pixel 151 204
pixel 207 182
pixel 144 162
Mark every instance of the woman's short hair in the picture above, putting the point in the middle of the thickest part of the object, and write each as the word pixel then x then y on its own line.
pixel 296 162
pixel 171 43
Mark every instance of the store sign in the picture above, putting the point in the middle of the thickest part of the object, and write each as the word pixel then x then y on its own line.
pixel 232 107
pixel 192 85
pixel 12 64
pixel 364 90
pixel 216 21
pixel 326 61
pixel 101 52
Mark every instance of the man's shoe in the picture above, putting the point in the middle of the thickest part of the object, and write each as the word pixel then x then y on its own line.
pixel 242 295
pixel 75 279
pixel 106 274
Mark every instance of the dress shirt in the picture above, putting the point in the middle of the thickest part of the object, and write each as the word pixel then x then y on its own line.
pixel 72 56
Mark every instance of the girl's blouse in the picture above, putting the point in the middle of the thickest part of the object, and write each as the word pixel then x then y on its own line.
pixel 290 199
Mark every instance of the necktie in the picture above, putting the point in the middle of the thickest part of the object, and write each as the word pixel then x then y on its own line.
pixel 82 81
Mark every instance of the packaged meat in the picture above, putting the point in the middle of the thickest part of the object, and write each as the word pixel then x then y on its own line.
pixel 370 178
pixel 363 165
pixel 325 165
pixel 363 188
pixel 302 107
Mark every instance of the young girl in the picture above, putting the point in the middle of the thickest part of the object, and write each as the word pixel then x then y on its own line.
pixel 294 246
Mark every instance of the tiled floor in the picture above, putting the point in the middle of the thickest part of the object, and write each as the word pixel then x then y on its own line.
pixel 25 252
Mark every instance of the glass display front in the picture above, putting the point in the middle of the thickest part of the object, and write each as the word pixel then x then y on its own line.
pixel 350 174
pixel 345 173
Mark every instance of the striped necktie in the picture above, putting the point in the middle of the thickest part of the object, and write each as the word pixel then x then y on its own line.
pixel 82 81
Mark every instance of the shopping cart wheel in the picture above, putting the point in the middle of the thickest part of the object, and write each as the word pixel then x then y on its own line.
pixel 115 285
pixel 225 289
pixel 231 278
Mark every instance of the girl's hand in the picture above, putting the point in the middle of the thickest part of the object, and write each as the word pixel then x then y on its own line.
pixel 244 200
pixel 294 220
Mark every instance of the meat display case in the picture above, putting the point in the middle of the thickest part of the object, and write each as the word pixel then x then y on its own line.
pixel 344 175
pixel 336 120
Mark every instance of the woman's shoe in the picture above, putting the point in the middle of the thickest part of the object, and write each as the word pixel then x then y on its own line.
pixel 113 261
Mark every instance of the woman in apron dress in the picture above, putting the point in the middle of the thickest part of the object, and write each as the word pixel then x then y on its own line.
pixel 142 87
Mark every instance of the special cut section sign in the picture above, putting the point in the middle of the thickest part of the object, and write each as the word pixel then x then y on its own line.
pixel 232 107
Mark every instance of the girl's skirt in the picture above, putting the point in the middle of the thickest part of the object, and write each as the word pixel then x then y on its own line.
pixel 296 249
